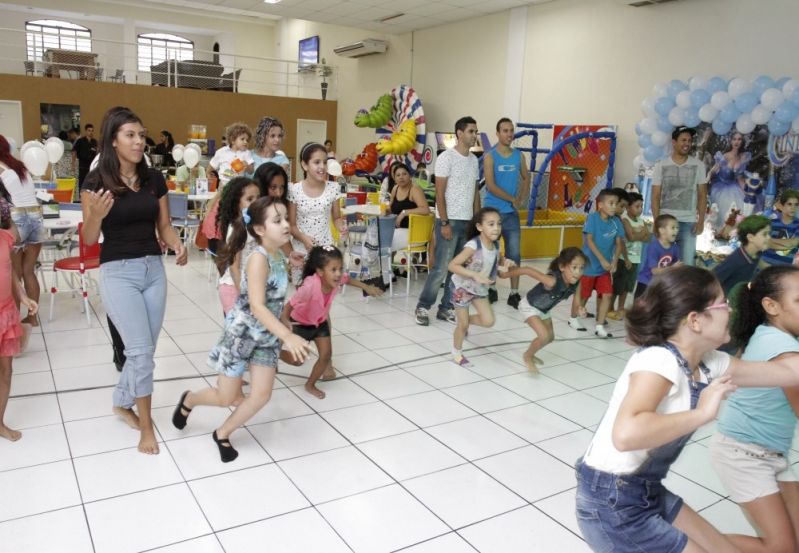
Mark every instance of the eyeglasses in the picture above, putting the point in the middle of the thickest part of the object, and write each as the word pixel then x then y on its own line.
pixel 723 305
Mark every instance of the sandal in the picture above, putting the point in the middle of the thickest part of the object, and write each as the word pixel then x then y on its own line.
pixel 226 451
pixel 178 418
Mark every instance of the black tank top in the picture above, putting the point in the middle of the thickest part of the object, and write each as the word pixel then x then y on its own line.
pixel 398 205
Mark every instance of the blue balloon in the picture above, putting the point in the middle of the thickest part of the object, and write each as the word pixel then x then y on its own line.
pixel 781 82
pixel 760 85
pixel 747 101
pixel 653 153
pixel 730 114
pixel 675 87
pixel 721 127
pixel 786 112
pixel 638 130
pixel 691 117
pixel 699 98
pixel 777 127
pixel 665 126
pixel 794 99
pixel 716 84
pixel 663 106
pixel 644 141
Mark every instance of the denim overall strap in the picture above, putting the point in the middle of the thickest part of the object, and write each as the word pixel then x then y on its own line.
pixel 493 275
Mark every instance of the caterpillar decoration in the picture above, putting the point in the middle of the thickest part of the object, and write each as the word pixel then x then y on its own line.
pixel 366 161
pixel 378 115
pixel 400 142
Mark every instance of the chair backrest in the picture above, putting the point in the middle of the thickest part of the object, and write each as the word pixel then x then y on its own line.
pixel 373 198
pixel 62 196
pixel 178 205
pixel 66 184
pixel 118 73
pixel 28 66
pixel 420 229
pixel 85 252
pixel 360 197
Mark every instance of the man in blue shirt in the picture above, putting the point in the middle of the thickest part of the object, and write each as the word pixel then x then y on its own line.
pixel 505 168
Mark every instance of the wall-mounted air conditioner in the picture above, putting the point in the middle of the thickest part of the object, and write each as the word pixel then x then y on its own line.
pixel 365 47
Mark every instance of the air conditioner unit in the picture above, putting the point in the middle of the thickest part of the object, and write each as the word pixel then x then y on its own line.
pixel 365 47
pixel 641 3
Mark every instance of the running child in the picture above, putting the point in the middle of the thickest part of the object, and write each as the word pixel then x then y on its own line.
pixel 662 252
pixel 636 234
pixel 253 331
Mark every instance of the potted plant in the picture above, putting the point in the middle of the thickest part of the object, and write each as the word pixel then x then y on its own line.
pixel 324 71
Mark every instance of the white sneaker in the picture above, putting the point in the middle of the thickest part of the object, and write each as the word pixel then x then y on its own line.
pixel 602 333
pixel 576 324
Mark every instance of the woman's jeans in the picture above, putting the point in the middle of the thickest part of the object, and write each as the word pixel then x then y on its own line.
pixel 134 297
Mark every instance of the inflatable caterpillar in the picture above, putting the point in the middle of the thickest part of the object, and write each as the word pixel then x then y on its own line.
pixel 376 117
pixel 366 161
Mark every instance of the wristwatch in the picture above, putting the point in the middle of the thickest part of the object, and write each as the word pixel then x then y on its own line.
pixel 444 222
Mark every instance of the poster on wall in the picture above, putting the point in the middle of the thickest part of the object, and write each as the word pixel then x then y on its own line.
pixel 57 119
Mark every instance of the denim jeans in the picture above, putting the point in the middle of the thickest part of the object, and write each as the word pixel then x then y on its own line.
pixel 686 240
pixel 134 296
pixel 512 234
pixel 445 250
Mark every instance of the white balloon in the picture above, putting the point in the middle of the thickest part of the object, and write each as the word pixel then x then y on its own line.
pixel 638 161
pixel 789 87
pixel 30 144
pixel 761 114
pixel 648 107
pixel 698 83
pixel 35 159
pixel 194 146
pixel 795 126
pixel 744 124
pixel 738 86
pixel 772 98
pixel 676 116
pixel 660 89
pixel 649 125
pixel 708 113
pixel 659 138
pixel 684 99
pixel 720 100
pixel 177 152
pixel 333 168
pixel 190 157
pixel 55 149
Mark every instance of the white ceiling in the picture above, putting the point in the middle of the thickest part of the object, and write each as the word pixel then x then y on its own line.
pixel 363 14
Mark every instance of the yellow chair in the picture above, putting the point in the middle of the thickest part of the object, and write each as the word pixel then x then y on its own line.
pixel 66 184
pixel 420 231
pixel 373 198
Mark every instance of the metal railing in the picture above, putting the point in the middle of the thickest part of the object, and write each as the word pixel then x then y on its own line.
pixel 118 61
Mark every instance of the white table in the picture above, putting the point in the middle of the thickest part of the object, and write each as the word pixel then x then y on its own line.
pixel 68 219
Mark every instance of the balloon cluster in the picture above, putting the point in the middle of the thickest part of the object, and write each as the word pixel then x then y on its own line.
pixel 36 155
pixel 190 154
pixel 739 102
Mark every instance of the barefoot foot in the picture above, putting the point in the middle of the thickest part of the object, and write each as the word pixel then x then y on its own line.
pixel 329 374
pixel 148 443
pixel 128 417
pixel 530 363
pixel 32 320
pixel 538 360
pixel 311 389
pixel 9 434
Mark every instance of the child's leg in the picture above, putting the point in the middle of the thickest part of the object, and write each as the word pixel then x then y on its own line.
pixel 773 521
pixel 461 328
pixel 544 335
pixel 484 316
pixel 5 391
pixel 324 346
pixel 330 371
pixel 263 379
pixel 622 302
pixel 148 442
pixel 226 392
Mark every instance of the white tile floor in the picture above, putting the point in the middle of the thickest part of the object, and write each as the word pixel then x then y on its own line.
pixel 408 451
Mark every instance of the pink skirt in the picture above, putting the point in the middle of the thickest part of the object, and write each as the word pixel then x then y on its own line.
pixel 10 328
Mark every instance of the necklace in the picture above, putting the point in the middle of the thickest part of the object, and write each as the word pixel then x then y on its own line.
pixel 130 181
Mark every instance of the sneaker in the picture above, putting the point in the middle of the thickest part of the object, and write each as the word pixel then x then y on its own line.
pixel 602 333
pixel 575 323
pixel 615 315
pixel 446 315
pixel 513 300
pixel 462 361
pixel 492 296
pixel 422 316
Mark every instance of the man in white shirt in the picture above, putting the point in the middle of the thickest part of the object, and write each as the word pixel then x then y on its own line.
pixel 456 202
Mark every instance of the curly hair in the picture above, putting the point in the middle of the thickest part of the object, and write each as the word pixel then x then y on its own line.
pixel 262 131
pixel 749 301
pixel 229 214
pixel 318 258
pixel 234 130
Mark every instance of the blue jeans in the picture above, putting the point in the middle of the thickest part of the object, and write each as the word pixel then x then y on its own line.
pixel 512 234
pixel 134 296
pixel 686 240
pixel 445 250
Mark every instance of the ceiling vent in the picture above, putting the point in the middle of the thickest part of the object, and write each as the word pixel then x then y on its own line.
pixel 365 47
pixel 642 3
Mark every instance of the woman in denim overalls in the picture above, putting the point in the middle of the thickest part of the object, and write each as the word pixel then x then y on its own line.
pixel 671 386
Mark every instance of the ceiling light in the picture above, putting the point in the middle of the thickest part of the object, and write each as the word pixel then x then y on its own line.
pixel 271 1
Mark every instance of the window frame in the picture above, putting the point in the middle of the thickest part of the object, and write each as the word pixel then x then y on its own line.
pixel 55 33
pixel 168 46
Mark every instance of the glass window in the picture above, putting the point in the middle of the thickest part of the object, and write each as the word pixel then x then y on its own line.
pixel 154 48
pixel 44 34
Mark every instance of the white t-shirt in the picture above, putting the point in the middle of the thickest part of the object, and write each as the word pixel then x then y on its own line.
pixel 224 157
pixel 601 454
pixel 678 186
pixel 22 192
pixel 462 173
pixel 489 258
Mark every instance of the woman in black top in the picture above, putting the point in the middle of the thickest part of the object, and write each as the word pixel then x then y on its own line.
pixel 164 148
pixel 128 203
pixel 406 198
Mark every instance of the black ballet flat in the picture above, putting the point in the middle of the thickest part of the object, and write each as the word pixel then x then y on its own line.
pixel 226 451
pixel 178 418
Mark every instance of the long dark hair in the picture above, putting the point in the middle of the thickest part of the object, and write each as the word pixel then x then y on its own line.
pixel 749 301
pixel 566 256
pixel 13 163
pixel 670 297
pixel 394 167
pixel 230 214
pixel 5 207
pixel 170 142
pixel 318 258
pixel 307 151
pixel 264 175
pixel 107 174
pixel 471 228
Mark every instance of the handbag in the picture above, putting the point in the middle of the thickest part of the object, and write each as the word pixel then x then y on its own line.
pixel 200 239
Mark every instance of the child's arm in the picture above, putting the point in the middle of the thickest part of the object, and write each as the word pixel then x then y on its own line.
pixel 589 239
pixel 581 310
pixel 18 291
pixel 368 288
pixel 285 315
pixel 235 271
pixel 257 274
pixel 456 267
pixel 503 266
pixel 547 280
pixel 295 230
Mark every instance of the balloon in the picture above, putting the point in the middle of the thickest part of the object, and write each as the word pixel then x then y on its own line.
pixel 795 125
pixel 738 86
pixel 772 98
pixel 660 89
pixel 761 114
pixel 721 127
pixel 781 82
pixel 744 124
pixel 190 157
pixel 638 161
pixel 648 107
pixel 663 106
pixel 698 83
pixel 746 102
pixel 638 130
pixel 645 140
pixel 55 148
pixel 761 84
pixel 659 138
pixel 730 114
pixel 653 153
pixel 177 152
pixel 716 84
pixel 676 116
pixel 794 97
pixel 708 113
pixel 649 125
pixel 720 99
pixel 786 113
pixel 700 97
pixel 665 126
pixel 683 99
pixel 691 117
pixel 30 144
pixel 675 87
pixel 333 168
pixel 777 127
pixel 35 159
pixel 193 146
pixel 790 86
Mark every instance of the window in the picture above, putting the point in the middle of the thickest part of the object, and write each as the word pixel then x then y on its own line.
pixel 157 47
pixel 44 34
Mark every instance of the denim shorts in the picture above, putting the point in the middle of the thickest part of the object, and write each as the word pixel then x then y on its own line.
pixel 30 225
pixel 627 514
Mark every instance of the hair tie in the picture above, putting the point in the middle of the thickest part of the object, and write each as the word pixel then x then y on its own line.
pixel 245 216
pixel 328 248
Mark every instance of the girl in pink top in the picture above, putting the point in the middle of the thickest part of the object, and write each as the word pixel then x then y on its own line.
pixel 11 291
pixel 308 309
